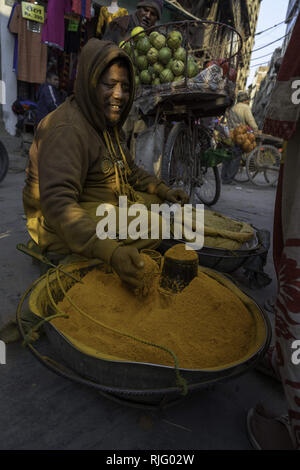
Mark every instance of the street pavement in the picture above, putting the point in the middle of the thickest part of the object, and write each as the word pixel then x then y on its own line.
pixel 41 410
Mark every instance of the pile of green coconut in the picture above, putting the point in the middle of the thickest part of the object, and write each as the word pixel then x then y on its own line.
pixel 158 58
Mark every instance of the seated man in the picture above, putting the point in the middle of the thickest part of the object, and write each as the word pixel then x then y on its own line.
pixel 78 161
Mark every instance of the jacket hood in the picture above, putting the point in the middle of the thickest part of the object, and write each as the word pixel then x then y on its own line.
pixel 94 58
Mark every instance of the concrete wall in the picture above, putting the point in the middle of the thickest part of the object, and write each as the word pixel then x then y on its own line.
pixel 8 77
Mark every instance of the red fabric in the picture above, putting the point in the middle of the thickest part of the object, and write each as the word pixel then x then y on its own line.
pixel 282 129
pixel 277 228
pixel 77 8
pixel 286 252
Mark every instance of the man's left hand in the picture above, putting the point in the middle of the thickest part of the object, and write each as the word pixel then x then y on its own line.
pixel 177 196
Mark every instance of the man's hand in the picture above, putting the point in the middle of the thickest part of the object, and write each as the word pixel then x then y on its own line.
pixel 126 261
pixel 177 196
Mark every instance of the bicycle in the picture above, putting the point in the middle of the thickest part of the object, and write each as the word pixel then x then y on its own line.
pixel 182 166
pixel 263 164
pixel 4 162
pixel 212 51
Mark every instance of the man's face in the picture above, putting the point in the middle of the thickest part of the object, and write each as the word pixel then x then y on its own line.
pixel 54 80
pixel 113 94
pixel 147 16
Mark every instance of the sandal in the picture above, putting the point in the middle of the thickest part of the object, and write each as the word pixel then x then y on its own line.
pixel 267 432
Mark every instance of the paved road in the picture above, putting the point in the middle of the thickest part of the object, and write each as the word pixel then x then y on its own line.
pixel 40 410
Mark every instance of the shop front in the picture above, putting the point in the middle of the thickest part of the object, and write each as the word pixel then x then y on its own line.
pixel 40 38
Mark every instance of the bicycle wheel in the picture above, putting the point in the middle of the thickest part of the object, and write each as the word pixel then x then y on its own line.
pixel 4 162
pixel 206 182
pixel 242 175
pixel 209 188
pixel 177 163
pixel 263 165
pixel 272 159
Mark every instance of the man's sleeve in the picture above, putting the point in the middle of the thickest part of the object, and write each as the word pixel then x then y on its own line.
pixel 249 118
pixel 63 166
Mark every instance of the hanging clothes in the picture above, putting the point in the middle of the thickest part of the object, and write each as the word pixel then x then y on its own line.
pixel 105 17
pixel 72 36
pixel 32 53
pixel 82 8
pixel 54 28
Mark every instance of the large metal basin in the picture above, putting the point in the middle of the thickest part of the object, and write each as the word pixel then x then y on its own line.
pixel 139 380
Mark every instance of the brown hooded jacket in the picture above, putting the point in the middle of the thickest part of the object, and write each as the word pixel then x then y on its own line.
pixel 66 168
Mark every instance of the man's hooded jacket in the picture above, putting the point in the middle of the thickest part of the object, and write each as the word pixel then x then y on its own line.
pixel 72 164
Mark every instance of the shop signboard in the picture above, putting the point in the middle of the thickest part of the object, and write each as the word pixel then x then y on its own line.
pixel 33 12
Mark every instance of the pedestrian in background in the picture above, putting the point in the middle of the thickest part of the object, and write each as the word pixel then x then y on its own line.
pixel 239 114
pixel 49 97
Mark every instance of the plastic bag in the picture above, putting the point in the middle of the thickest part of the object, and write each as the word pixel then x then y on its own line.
pixel 149 149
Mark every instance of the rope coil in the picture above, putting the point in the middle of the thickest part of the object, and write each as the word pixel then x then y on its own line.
pixel 31 336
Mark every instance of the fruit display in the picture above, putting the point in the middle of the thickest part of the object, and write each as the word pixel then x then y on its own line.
pixel 159 58
pixel 242 137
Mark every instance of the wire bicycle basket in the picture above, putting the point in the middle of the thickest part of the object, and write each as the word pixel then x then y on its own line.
pixel 178 59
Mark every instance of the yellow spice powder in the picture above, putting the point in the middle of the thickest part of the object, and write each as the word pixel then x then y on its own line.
pixel 205 325
pixel 179 252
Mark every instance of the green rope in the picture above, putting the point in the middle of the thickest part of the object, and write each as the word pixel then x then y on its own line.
pixel 32 335
pixel 180 381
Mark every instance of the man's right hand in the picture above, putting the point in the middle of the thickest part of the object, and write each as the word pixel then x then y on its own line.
pixel 126 262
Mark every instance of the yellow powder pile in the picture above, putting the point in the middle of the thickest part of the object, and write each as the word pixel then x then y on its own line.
pixel 179 252
pixel 147 275
pixel 205 325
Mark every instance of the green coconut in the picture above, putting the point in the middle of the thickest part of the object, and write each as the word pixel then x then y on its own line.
pixel 142 62
pixel 174 40
pixel 152 55
pixel 125 46
pixel 169 64
pixel 166 76
pixel 156 81
pixel 159 41
pixel 179 78
pixel 178 67
pixel 192 68
pixel 143 45
pixel 164 55
pixel 135 33
pixel 158 68
pixel 180 54
pixel 152 36
pixel 145 77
